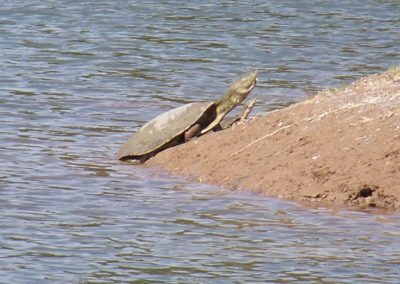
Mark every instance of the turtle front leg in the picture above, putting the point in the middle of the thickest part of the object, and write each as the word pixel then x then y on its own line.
pixel 192 132
pixel 226 123
pixel 248 108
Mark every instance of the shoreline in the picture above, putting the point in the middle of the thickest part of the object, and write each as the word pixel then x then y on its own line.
pixel 340 148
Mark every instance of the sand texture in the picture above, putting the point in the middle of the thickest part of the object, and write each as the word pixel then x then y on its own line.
pixel 339 148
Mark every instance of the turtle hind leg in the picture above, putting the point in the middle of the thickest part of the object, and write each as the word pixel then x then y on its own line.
pixel 193 131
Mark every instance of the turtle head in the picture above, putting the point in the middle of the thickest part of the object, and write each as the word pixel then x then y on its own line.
pixel 245 84
pixel 236 93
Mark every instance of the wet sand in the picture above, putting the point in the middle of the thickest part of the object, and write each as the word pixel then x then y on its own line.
pixel 339 148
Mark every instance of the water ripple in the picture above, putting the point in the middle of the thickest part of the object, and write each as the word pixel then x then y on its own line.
pixel 78 78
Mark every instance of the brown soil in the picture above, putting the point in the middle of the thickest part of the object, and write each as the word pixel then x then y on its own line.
pixel 341 147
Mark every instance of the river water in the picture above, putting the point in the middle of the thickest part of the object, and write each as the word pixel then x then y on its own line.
pixel 78 77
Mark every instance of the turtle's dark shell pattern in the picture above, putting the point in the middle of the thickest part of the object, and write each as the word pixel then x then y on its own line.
pixel 166 130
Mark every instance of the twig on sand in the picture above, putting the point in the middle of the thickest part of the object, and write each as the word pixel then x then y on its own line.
pixel 261 138
pixel 307 119
pixel 368 100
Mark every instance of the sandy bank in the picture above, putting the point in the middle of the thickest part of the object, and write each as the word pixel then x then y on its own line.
pixel 341 147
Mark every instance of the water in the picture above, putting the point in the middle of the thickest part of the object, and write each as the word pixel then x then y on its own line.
pixel 77 77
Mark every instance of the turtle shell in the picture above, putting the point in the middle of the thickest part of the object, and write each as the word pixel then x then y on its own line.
pixel 166 130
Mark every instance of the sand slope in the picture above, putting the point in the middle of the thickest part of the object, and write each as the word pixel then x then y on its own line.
pixel 341 147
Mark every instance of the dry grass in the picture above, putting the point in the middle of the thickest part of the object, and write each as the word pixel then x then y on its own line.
pixel 368 99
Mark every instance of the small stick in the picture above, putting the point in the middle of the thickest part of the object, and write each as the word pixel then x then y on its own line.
pixel 261 138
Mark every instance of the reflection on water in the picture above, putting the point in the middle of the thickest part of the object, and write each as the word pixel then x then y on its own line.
pixel 78 77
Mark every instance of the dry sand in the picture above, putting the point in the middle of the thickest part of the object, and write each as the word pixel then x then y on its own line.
pixel 339 148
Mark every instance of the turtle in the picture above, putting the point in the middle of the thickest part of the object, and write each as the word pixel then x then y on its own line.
pixel 181 124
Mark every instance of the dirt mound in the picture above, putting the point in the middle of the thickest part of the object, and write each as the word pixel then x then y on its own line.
pixel 341 147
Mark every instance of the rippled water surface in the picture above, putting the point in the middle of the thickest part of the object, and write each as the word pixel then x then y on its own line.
pixel 78 77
